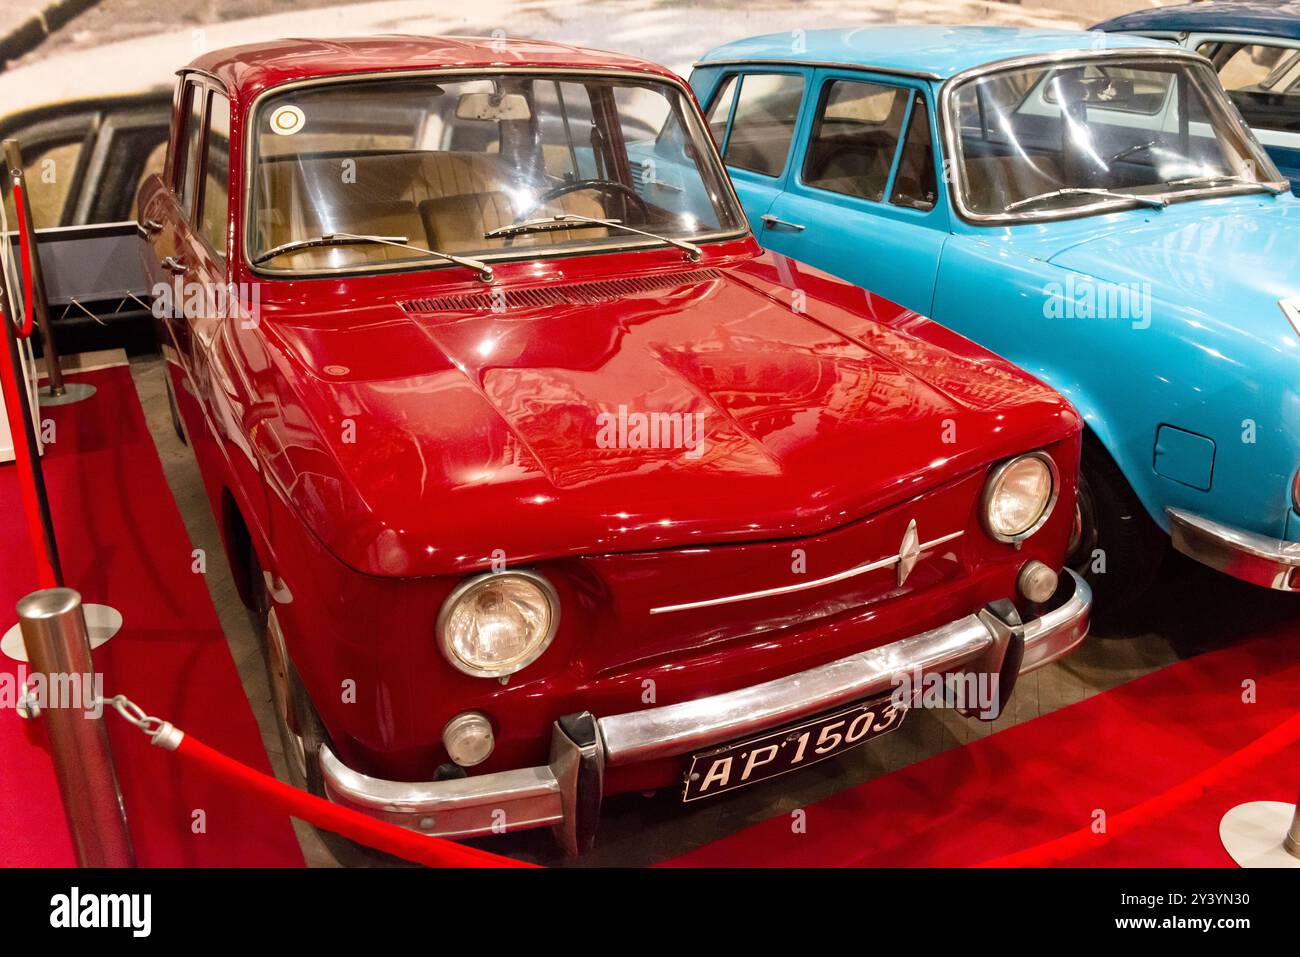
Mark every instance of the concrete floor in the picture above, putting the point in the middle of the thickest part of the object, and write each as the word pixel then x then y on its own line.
pixel 1192 610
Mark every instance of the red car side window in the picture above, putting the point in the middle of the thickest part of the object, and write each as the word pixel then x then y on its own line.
pixel 186 181
pixel 216 172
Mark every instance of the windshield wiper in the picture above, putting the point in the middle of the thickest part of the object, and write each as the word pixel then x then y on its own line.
pixel 1156 201
pixel 346 239
pixel 1275 188
pixel 567 220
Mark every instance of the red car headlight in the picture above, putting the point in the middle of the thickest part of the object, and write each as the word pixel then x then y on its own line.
pixel 1019 496
pixel 495 624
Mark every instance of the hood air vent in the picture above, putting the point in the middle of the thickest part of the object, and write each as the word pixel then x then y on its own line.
pixel 577 294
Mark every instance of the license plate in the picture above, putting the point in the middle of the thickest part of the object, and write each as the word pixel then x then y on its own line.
pixel 732 766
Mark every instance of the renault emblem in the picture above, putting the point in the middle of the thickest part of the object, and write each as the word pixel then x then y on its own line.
pixel 908 552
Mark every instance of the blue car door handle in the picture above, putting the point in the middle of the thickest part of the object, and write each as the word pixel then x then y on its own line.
pixel 771 222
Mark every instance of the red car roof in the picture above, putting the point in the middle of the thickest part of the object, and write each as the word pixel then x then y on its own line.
pixel 247 70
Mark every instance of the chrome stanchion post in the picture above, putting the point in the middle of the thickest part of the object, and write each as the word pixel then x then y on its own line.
pixel 53 369
pixel 54 633
pixel 1256 834
pixel 1291 843
pixel 22 429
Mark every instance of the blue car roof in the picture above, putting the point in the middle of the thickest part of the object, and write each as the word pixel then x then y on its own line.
pixel 1273 18
pixel 934 51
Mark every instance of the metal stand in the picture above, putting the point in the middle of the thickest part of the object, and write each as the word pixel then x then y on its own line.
pixel 102 623
pixel 72 392
pixel 1262 834
pixel 54 632
pixel 27 451
pixel 13 155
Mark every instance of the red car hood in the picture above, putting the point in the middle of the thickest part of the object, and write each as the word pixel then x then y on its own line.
pixel 437 439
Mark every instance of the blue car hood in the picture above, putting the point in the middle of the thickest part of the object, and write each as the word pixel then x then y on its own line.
pixel 1231 260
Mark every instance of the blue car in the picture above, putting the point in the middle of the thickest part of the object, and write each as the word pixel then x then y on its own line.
pixel 1255 47
pixel 1090 206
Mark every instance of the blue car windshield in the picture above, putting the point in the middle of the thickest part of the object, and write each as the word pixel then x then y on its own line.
pixel 1055 138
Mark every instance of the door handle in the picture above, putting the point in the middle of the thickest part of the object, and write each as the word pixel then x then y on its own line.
pixel 174 266
pixel 771 222
pixel 147 227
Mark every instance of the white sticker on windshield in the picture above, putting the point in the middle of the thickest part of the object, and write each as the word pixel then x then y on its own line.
pixel 287 120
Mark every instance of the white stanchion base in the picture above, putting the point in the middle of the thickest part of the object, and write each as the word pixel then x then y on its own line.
pixel 102 623
pixel 72 392
pixel 1252 834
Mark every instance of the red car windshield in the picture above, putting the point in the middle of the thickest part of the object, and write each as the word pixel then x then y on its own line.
pixel 365 174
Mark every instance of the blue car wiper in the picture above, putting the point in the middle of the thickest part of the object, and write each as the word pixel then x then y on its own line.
pixel 1275 188
pixel 1158 202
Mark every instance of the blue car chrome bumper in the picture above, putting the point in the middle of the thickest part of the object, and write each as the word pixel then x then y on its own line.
pixel 1257 559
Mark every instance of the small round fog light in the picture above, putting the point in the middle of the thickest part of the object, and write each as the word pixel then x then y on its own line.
pixel 1037 581
pixel 468 738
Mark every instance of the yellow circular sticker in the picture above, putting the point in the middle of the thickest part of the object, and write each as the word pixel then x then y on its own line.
pixel 287 120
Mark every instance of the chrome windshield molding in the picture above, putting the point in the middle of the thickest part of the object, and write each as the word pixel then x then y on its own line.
pixel 1291 309
pixel 1258 559
pixel 804 586
pixel 566 794
pixel 758 62
pixel 948 135
pixel 247 237
pixel 528 797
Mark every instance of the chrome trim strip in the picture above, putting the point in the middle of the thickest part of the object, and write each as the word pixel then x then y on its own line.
pixel 680 728
pixel 1291 309
pixel 817 65
pixel 948 135
pixel 803 586
pixel 1258 559
pixel 691 113
pixel 677 728
pixel 532 797
pixel 1055 633
pixel 528 797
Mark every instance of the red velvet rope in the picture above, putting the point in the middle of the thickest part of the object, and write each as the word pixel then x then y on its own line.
pixel 1152 809
pixel 420 848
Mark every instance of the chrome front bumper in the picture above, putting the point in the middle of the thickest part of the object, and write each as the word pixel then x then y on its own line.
pixel 566 793
pixel 1257 559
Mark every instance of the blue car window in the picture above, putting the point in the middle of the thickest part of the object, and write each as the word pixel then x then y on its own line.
pixel 1052 139
pixel 719 112
pixel 763 122
pixel 1263 80
pixel 1119 89
pixel 855 137
pixel 915 184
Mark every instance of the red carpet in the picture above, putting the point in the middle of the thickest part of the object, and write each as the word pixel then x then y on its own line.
pixel 1039 781
pixel 123 544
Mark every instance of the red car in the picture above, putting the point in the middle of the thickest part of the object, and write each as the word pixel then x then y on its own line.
pixel 545 481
